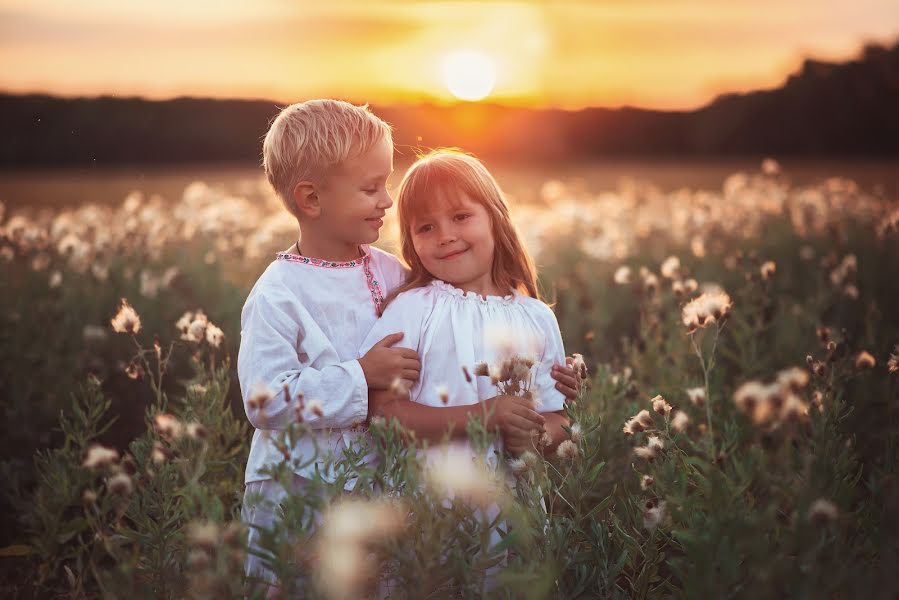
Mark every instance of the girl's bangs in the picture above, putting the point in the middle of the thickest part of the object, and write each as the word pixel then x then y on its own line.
pixel 430 186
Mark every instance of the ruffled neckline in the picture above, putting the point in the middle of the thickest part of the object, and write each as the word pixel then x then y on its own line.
pixel 471 296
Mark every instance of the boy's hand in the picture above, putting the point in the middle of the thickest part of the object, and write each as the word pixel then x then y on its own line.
pixel 383 364
pixel 567 380
pixel 514 416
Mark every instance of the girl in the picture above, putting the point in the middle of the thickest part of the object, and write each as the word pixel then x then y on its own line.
pixel 470 298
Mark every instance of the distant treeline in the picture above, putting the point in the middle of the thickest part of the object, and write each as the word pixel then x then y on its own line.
pixel 826 109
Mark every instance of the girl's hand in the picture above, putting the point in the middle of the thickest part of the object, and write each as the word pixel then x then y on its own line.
pixel 513 416
pixel 567 380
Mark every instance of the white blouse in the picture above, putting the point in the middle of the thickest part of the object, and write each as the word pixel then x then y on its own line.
pixel 450 329
pixel 302 326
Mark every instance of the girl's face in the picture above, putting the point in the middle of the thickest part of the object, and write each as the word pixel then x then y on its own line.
pixel 454 241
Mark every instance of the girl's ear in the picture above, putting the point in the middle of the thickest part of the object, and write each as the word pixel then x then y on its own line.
pixel 305 198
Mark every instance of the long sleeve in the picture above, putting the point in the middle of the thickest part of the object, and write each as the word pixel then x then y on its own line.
pixel 281 345
pixel 550 398
pixel 404 315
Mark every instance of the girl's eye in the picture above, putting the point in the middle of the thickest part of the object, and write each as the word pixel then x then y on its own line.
pixel 462 216
pixel 425 228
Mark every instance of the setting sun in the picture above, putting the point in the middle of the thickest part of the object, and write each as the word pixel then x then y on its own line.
pixel 469 75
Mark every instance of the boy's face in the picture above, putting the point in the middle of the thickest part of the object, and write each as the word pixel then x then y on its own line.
pixel 454 241
pixel 354 197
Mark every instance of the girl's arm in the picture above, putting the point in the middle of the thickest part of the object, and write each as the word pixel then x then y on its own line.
pixel 433 423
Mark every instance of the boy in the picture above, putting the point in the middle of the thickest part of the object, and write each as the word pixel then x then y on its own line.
pixel 309 312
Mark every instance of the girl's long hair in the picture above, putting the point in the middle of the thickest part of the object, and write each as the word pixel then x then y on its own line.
pixel 447 174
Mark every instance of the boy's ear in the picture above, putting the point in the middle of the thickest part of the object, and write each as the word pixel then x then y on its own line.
pixel 305 198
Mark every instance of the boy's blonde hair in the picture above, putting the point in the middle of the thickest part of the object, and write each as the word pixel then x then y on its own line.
pixel 446 174
pixel 307 139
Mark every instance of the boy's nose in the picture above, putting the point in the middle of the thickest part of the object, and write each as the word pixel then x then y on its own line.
pixel 386 201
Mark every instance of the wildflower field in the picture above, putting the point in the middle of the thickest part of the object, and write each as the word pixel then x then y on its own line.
pixel 735 437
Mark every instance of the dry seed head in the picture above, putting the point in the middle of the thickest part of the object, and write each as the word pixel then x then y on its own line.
pixel 530 459
pixel 793 378
pixel 645 419
pixel 120 483
pixel 442 393
pixel 681 421
pixel 577 435
pixel 622 275
pixel 864 360
pixel 893 362
pixel 670 267
pixel 655 442
pixel 88 497
pixel 768 269
pixel 696 395
pixel 196 431
pixel 214 336
pixel 567 450
pixel 749 396
pixel 655 516
pixel 646 482
pixel 260 396
pixel 168 426
pixel 454 473
pixel 823 511
pixel 660 405
pixel 578 365
pixel 647 453
pixel 315 407
pixel 100 456
pixel 160 454
pixel 126 320
pixel 518 467
pixel 203 534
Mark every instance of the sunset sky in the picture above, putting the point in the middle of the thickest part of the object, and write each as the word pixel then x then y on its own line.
pixel 672 54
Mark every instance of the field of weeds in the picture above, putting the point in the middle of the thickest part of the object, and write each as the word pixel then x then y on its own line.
pixel 735 437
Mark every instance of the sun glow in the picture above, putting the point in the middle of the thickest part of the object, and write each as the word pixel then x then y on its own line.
pixel 469 75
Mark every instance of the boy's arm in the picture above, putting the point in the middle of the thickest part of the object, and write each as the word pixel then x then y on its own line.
pixel 433 423
pixel 274 336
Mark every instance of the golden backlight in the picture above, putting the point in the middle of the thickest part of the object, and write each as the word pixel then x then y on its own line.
pixel 469 75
